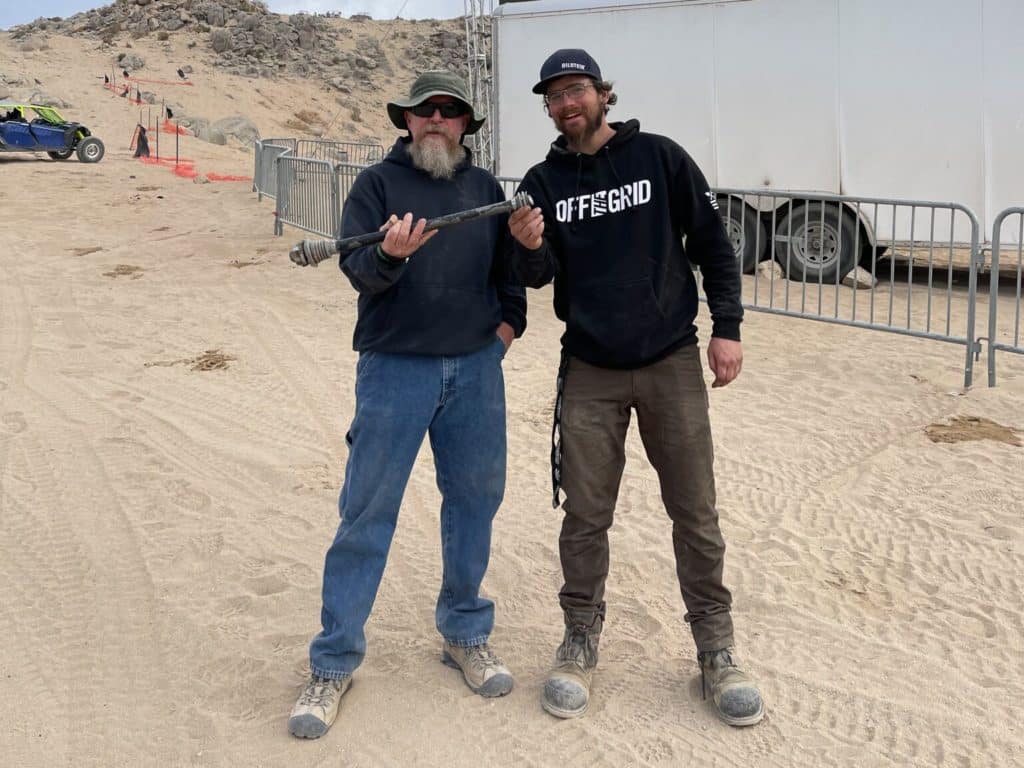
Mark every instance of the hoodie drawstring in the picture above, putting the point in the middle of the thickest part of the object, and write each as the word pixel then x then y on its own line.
pixel 611 165
pixel 556 430
pixel 579 176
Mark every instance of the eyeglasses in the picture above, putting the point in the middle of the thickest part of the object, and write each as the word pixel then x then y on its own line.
pixel 574 91
pixel 448 110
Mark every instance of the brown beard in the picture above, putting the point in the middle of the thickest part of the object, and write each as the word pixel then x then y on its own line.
pixel 438 160
pixel 592 124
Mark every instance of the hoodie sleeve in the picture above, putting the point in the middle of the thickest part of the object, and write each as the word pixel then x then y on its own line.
pixel 369 269
pixel 708 246
pixel 511 296
pixel 535 268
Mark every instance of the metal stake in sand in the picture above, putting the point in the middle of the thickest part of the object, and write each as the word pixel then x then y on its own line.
pixel 312 252
pixel 175 145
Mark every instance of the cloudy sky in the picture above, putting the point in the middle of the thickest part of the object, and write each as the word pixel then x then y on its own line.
pixel 12 13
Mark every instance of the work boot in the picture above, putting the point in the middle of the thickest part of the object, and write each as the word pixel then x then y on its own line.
pixel 482 669
pixel 736 697
pixel 317 707
pixel 567 689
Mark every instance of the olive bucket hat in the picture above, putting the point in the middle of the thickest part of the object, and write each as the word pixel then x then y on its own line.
pixel 436 83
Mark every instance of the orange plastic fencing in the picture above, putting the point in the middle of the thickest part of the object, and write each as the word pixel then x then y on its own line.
pixel 167 161
pixel 125 92
pixel 160 82
pixel 185 168
pixel 227 177
pixel 180 167
pixel 169 127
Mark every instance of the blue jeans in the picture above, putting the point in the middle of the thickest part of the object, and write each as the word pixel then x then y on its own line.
pixel 460 402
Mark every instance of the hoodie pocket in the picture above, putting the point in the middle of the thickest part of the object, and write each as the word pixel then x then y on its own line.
pixel 615 316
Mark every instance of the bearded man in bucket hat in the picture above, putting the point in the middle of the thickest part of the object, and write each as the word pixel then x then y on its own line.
pixel 435 320
pixel 614 207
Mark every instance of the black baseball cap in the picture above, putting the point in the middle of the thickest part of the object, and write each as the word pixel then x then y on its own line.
pixel 567 61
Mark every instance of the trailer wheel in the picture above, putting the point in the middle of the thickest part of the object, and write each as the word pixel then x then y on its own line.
pixel 62 154
pixel 816 242
pixel 90 150
pixel 746 232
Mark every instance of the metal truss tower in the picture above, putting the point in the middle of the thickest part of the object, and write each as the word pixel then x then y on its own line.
pixel 481 81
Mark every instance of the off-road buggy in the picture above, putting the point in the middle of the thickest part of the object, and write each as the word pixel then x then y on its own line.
pixel 35 128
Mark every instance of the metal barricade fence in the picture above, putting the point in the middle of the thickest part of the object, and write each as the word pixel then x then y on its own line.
pixel 307 196
pixel 358 153
pixel 509 185
pixel 1007 260
pixel 346 173
pixel 304 186
pixel 264 179
pixel 257 165
pixel 881 263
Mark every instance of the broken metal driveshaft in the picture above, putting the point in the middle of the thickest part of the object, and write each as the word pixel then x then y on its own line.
pixel 312 252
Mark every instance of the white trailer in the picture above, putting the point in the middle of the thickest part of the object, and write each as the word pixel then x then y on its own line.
pixel 917 99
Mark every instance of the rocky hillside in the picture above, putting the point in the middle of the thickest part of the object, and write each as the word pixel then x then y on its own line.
pixel 246 39
pixel 302 75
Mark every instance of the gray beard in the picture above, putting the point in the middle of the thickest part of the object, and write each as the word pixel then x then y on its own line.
pixel 437 160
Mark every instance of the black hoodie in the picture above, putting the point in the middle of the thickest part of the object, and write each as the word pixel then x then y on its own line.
pixel 614 224
pixel 449 296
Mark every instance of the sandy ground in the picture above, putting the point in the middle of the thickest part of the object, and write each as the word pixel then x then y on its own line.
pixel 173 399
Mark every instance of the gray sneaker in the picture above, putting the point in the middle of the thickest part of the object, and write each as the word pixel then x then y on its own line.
pixel 736 697
pixel 567 689
pixel 483 671
pixel 317 707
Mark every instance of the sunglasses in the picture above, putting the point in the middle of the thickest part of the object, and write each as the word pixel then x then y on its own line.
pixel 449 110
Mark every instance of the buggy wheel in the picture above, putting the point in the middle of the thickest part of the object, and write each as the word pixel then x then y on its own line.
pixel 90 150
pixel 63 154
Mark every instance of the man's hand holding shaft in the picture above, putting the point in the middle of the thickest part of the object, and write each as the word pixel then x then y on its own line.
pixel 527 226
pixel 403 238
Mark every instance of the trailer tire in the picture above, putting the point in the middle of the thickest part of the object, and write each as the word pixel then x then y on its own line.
pixel 746 233
pixel 816 242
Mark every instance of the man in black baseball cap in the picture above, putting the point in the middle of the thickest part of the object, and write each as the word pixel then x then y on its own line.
pixel 614 207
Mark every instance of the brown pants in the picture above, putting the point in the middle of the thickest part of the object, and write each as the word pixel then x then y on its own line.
pixel 672 413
